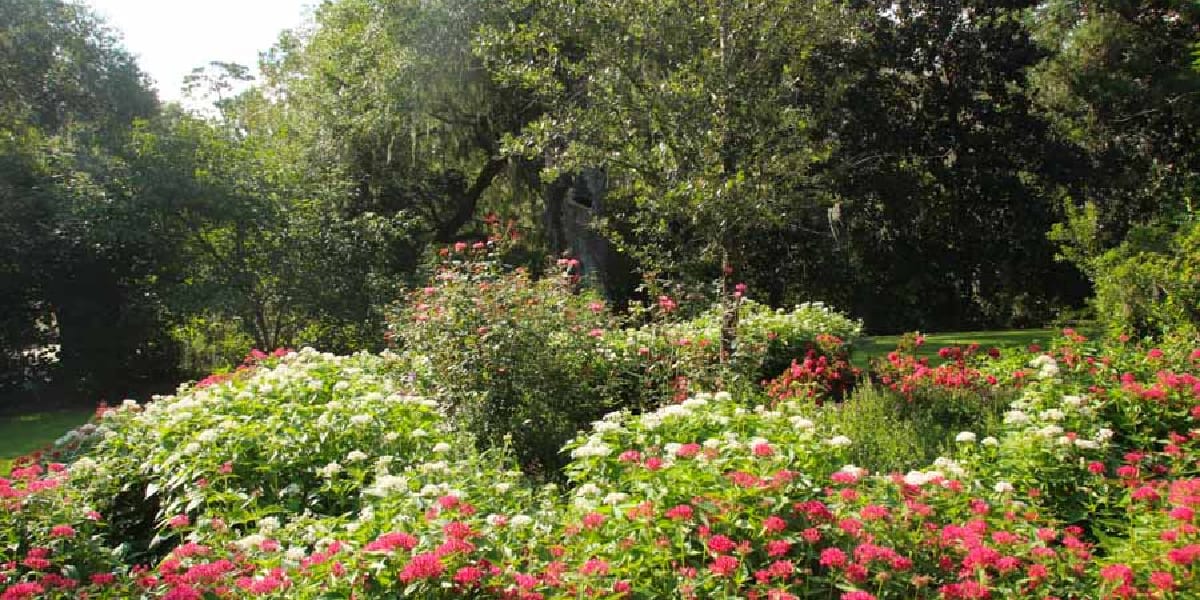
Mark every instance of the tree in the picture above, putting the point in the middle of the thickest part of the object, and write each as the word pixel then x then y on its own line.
pixel 391 96
pixel 1119 85
pixel 690 109
pixel 945 174
pixel 75 269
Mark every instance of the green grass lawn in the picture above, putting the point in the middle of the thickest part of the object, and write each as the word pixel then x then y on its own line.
pixel 879 346
pixel 22 434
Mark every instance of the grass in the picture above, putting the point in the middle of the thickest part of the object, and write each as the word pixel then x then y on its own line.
pixel 22 434
pixel 879 346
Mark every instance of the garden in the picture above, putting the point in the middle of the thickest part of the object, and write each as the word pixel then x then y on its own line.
pixel 618 299
pixel 521 440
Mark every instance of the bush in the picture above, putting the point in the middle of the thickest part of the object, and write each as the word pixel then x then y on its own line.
pixel 508 355
pixel 1150 284
pixel 894 432
pixel 714 497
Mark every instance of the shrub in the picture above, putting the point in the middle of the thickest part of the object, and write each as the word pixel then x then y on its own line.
pixel 1150 284
pixel 703 498
pixel 510 355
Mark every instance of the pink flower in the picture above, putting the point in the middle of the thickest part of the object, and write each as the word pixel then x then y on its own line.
pixel 62 531
pixel 763 450
pixel 468 575
pixel 833 558
pixel 682 512
pixel 593 520
pixel 422 566
pixel 857 595
pixel 1154 354
pixel 178 521
pixel 721 544
pixel 774 524
pixel 723 566
pixel 1162 580
pixel 1117 572
pixel 594 566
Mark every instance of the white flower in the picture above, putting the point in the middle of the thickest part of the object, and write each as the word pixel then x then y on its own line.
pixel 855 471
pixel 502 487
pixel 360 419
pixel 330 469
pixel 722 396
pixel 418 433
pixel 266 525
pixel 1072 401
pixel 615 498
pixel 1003 487
pixel 604 426
pixel 437 466
pixel 1016 417
pixel 341 385
pixel 965 437
pixel 802 423
pixel 191 448
pixel 588 489
pixel 839 441
pixel 1050 431
pixel 990 441
pixel 593 447
pixel 441 448
pixel 251 542
pixel 1052 414
pixel 1104 435
pixel 386 484
pixel 1086 444
pixel 519 521
pixel 356 455
pixel 391 436
pixel 917 478
pixel 495 520
pixel 296 553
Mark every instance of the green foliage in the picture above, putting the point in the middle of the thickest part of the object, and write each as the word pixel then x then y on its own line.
pixel 534 360
pixel 688 108
pixel 1149 285
pixel 895 432
pixel 510 356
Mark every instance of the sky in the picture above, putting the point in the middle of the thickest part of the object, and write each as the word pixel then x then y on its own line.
pixel 171 37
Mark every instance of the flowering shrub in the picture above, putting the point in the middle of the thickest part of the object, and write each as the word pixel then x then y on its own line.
pixel 537 359
pixel 315 476
pixel 822 375
pixel 510 355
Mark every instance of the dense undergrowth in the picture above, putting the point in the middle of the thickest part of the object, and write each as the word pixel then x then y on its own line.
pixel 1068 472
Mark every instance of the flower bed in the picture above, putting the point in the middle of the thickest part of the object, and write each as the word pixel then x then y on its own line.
pixel 317 476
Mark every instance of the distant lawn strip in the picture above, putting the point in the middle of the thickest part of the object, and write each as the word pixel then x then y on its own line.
pixel 22 434
pixel 879 346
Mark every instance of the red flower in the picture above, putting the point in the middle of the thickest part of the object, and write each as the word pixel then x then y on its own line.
pixel 833 558
pixel 721 544
pixel 723 566
pixel 422 566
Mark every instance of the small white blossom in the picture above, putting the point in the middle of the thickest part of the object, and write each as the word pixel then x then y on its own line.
pixel 965 437
pixel 839 441
pixel 330 469
pixel 356 455
pixel 519 521
pixel 1003 487
pixel 990 441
